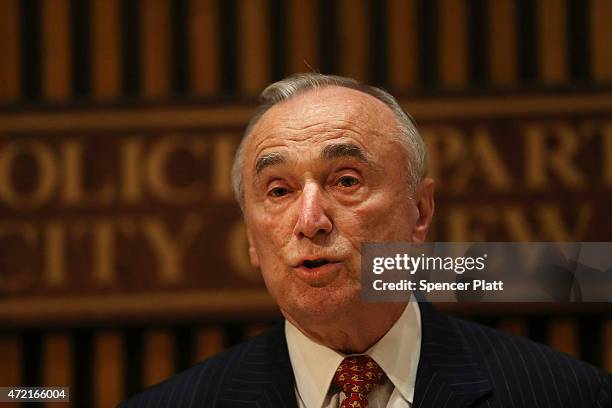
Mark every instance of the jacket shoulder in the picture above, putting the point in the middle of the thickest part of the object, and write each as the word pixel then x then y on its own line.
pixel 523 370
pixel 201 384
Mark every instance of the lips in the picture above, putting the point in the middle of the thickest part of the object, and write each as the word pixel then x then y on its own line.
pixel 314 263
pixel 318 272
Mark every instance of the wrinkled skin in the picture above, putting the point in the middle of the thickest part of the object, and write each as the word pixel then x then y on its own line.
pixel 311 207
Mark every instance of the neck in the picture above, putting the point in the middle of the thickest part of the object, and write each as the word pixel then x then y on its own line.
pixel 350 334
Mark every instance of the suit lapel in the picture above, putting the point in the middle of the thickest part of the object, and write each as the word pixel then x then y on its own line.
pixel 264 377
pixel 448 374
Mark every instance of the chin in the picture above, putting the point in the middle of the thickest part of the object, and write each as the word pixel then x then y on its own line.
pixel 318 305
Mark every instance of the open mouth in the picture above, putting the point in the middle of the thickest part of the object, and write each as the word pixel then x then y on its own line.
pixel 311 264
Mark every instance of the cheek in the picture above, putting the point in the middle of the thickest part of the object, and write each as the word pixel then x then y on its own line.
pixel 383 218
pixel 270 235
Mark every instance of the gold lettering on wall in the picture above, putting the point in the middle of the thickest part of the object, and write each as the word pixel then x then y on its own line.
pixel 446 148
pixel 16 272
pixel 492 166
pixel 469 225
pixel 551 224
pixel 545 222
pixel 554 225
pixel 104 256
pixel 467 156
pixel 498 182
pixel 73 190
pixel 55 254
pixel 46 180
pixel 541 160
pixel 169 248
pixel 131 176
pixel 157 167
pixel 517 224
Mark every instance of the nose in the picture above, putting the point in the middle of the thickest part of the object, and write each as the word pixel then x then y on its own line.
pixel 312 219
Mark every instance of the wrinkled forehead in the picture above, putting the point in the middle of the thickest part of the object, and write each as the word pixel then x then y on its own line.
pixel 319 111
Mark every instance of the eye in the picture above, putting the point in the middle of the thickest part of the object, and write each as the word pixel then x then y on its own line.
pixel 347 181
pixel 278 192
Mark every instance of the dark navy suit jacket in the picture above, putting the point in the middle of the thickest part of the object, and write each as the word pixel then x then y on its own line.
pixel 462 364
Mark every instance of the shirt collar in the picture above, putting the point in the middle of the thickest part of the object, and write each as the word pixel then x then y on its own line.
pixel 313 365
pixel 397 353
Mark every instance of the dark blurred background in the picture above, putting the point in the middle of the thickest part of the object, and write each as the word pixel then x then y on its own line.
pixel 122 254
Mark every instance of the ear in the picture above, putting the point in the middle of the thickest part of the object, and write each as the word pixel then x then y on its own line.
pixel 424 200
pixel 252 252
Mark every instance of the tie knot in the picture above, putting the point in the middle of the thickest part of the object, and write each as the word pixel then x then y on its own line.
pixel 358 375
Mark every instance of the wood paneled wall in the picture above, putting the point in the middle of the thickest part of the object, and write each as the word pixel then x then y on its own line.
pixel 103 366
pixel 88 51
pixel 98 52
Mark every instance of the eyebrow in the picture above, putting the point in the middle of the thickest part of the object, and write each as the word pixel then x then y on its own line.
pixel 269 159
pixel 341 150
pixel 329 152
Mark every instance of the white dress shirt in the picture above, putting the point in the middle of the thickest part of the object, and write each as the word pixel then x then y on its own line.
pixel 397 353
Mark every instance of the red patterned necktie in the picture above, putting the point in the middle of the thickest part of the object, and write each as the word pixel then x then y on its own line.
pixel 356 376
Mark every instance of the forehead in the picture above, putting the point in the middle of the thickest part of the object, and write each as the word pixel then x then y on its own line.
pixel 321 114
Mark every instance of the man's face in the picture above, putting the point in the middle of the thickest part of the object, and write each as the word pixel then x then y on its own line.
pixel 322 174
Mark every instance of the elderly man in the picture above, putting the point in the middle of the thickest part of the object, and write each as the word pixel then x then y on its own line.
pixel 325 165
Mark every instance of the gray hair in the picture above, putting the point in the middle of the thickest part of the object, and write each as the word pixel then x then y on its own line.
pixel 293 85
